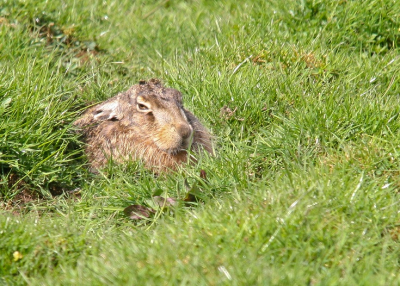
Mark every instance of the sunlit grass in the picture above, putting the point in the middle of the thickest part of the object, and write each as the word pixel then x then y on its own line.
pixel 302 97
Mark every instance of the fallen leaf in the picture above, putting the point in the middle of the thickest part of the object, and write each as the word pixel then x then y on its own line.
pixel 226 112
pixel 194 193
pixel 190 198
pixel 203 175
pixel 165 202
pixel 137 212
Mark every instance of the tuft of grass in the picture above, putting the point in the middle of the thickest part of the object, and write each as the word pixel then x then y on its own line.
pixel 302 98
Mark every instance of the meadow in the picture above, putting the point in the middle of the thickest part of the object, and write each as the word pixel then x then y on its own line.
pixel 303 98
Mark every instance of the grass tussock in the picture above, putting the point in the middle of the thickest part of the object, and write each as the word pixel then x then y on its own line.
pixel 302 97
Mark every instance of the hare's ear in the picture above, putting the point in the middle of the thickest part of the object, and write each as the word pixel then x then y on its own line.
pixel 155 82
pixel 109 110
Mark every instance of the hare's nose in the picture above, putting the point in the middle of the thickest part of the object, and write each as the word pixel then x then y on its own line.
pixel 184 130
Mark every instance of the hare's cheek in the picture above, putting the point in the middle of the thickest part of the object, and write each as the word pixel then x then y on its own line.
pixel 108 128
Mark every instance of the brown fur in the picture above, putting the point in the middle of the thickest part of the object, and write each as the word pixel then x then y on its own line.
pixel 148 123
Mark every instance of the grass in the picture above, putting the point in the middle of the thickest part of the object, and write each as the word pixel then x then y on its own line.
pixel 304 187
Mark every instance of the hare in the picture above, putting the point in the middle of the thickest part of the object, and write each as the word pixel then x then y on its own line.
pixel 147 122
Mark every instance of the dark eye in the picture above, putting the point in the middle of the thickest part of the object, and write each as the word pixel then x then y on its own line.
pixel 142 107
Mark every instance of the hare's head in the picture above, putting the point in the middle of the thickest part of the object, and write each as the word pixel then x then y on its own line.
pixel 159 111
pixel 146 122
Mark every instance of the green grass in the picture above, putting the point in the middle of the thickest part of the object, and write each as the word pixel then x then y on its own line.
pixel 304 189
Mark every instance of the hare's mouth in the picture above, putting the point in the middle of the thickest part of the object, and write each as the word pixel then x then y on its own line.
pixel 175 151
pixel 175 148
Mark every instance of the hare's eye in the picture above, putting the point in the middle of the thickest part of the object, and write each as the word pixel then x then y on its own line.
pixel 142 107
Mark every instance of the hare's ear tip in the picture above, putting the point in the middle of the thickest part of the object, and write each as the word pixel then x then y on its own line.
pixel 155 81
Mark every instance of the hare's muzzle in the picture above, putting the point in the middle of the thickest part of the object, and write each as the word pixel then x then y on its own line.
pixel 174 138
pixel 186 132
